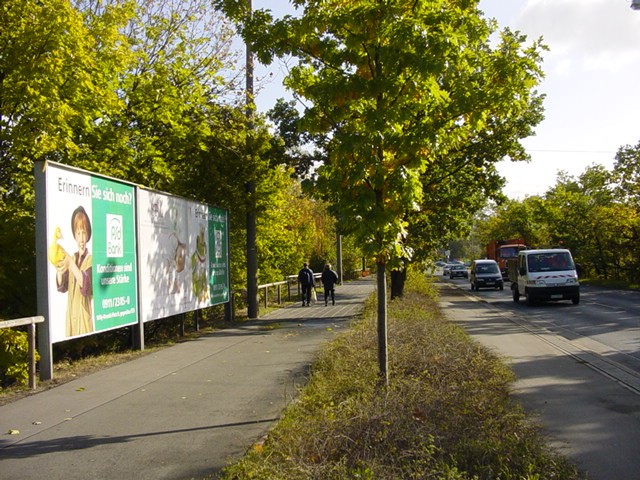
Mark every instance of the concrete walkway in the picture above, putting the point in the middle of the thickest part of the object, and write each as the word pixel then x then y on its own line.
pixel 179 413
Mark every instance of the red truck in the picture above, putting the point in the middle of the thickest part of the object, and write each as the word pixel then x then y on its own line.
pixel 502 250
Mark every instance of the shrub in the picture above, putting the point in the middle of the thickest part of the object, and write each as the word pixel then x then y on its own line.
pixel 14 357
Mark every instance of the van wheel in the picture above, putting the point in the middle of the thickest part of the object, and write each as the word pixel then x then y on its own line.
pixel 576 300
pixel 530 300
pixel 501 287
pixel 516 294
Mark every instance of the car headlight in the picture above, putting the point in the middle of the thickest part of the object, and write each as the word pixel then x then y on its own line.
pixel 572 281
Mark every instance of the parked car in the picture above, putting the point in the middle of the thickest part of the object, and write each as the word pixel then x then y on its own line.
pixel 485 274
pixel 447 267
pixel 458 271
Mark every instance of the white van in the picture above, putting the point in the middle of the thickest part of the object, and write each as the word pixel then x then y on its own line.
pixel 543 275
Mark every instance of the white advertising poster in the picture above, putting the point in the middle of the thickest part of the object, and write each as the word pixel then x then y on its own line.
pixel 182 248
pixel 91 258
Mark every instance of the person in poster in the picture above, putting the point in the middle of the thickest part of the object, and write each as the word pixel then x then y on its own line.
pixel 74 276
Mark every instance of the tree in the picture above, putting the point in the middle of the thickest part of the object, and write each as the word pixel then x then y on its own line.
pixel 627 173
pixel 396 86
pixel 58 76
pixel 587 216
pixel 528 219
pixel 291 142
pixel 460 183
pixel 140 91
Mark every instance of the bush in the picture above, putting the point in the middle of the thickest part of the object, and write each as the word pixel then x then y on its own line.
pixel 14 357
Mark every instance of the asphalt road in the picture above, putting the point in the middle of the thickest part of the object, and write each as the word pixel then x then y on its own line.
pixel 607 321
pixel 585 392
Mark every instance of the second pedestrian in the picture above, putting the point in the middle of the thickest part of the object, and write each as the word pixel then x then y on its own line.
pixel 329 279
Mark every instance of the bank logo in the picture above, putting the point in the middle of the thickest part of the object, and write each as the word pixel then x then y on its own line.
pixel 115 241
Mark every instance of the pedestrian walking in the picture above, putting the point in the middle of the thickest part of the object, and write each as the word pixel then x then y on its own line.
pixel 329 279
pixel 305 278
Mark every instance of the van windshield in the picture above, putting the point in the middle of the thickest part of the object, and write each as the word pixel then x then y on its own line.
pixel 487 268
pixel 550 262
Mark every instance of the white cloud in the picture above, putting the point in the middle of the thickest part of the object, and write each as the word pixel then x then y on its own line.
pixel 598 34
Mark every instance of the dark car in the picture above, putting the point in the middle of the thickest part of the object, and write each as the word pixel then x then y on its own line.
pixel 458 271
pixel 485 274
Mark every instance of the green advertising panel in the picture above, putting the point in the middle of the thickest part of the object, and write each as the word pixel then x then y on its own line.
pixel 218 258
pixel 114 256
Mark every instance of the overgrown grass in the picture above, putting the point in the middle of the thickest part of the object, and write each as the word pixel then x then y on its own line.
pixel 609 283
pixel 447 413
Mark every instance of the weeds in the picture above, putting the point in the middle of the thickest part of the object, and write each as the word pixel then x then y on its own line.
pixel 447 413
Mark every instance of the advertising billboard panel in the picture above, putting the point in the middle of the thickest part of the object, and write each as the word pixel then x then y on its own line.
pixel 183 255
pixel 91 253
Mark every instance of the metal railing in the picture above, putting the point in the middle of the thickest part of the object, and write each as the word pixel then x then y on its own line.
pixel 290 282
pixel 31 323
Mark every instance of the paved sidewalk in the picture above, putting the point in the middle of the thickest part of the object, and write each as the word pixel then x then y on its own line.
pixel 178 413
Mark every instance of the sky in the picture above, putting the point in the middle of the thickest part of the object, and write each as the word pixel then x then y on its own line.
pixel 592 84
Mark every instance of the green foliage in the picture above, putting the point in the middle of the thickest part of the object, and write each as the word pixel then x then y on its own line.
pixel 143 92
pixel 410 95
pixel 58 70
pixel 292 142
pixel 446 413
pixel 627 173
pixel 597 227
pixel 17 262
pixel 133 91
pixel 517 219
pixel 14 357
pixel 299 228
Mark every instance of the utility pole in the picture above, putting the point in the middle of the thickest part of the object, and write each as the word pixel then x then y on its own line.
pixel 250 186
pixel 339 257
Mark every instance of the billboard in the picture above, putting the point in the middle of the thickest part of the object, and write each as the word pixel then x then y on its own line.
pixel 91 271
pixel 183 255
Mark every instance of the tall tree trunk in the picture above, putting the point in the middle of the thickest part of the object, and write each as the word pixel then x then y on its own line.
pixel 382 323
pixel 398 277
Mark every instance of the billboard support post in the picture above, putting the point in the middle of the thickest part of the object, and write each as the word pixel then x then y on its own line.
pixel 44 338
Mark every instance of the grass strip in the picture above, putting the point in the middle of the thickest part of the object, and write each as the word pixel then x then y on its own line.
pixel 447 413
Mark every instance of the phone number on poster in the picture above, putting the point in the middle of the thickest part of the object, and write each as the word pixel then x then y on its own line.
pixel 115 302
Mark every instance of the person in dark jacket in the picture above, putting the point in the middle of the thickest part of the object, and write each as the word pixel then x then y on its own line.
pixel 305 278
pixel 329 279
